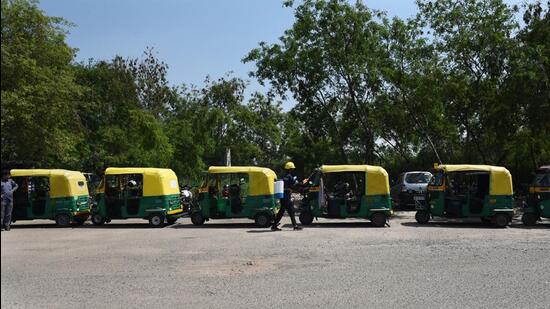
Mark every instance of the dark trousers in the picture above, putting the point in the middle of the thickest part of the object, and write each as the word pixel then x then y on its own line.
pixel 286 204
pixel 7 207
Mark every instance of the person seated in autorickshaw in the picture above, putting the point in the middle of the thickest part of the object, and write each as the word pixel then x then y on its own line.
pixel 341 189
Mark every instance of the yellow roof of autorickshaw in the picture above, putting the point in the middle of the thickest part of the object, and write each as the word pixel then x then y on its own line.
pixel 501 179
pixel 377 180
pixel 261 179
pixel 156 181
pixel 63 183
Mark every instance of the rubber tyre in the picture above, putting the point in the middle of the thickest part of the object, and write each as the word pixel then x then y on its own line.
pixel 306 218
pixel 529 219
pixel 379 219
pixel 156 221
pixel 422 217
pixel 97 219
pixel 63 220
pixel 171 221
pixel 501 220
pixel 263 220
pixel 197 218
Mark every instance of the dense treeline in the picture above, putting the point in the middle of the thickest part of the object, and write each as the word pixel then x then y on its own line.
pixel 461 82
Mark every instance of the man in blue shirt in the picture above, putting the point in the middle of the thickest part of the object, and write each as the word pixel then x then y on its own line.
pixel 8 187
pixel 290 182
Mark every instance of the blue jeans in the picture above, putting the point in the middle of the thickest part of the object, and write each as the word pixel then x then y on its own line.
pixel 7 207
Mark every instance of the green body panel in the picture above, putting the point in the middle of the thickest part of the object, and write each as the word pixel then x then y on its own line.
pixel 49 208
pixel 368 205
pixel 539 207
pixel 137 207
pixel 216 207
pixel 436 205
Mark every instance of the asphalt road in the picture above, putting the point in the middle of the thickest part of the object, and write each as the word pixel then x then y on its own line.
pixel 232 264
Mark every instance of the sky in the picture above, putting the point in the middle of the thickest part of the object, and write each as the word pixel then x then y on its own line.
pixel 195 38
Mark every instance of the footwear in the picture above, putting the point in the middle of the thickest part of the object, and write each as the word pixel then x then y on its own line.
pixel 297 228
pixel 274 228
pixel 7 228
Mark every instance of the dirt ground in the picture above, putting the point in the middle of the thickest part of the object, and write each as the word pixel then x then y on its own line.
pixel 232 264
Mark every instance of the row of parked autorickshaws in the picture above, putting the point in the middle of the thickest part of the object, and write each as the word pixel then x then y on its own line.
pixel 332 191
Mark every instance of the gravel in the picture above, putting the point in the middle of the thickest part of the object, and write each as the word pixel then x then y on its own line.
pixel 232 264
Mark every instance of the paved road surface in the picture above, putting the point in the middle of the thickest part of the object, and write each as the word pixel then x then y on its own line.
pixel 232 264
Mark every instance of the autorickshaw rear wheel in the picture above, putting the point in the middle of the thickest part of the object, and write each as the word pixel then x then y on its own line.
pixel 156 220
pixel 306 218
pixel 98 219
pixel 63 220
pixel 501 220
pixel 529 219
pixel 263 219
pixel 422 217
pixel 378 219
pixel 197 218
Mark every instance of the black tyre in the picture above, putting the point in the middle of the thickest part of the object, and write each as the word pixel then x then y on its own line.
pixel 306 218
pixel 197 218
pixel 422 217
pixel 98 219
pixel 501 220
pixel 171 221
pixel 378 219
pixel 63 220
pixel 156 220
pixel 529 219
pixel 263 219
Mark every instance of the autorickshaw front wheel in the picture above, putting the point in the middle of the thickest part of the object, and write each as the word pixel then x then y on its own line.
pixel 197 218
pixel 422 217
pixel 98 219
pixel 306 218
pixel 529 219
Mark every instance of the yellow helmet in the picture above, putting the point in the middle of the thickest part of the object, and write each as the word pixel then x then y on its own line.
pixel 289 165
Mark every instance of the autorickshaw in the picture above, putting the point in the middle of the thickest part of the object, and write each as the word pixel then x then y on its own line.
pixel 132 192
pixel 348 191
pixel 462 191
pixel 55 194
pixel 237 192
pixel 538 199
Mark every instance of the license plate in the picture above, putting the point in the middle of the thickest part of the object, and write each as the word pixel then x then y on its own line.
pixel 419 198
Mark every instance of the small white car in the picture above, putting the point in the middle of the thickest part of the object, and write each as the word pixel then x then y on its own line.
pixel 409 185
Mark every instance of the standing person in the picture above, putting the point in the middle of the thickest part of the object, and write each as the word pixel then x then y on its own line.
pixel 8 187
pixel 290 182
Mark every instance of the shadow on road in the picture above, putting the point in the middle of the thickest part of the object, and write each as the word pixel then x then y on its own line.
pixel 337 225
pixel 216 226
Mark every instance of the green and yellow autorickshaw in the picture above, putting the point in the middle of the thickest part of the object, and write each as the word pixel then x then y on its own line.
pixel 462 191
pixel 348 191
pixel 237 192
pixel 55 194
pixel 147 193
pixel 538 199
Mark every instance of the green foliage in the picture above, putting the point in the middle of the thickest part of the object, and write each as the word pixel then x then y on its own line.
pixel 38 89
pixel 461 82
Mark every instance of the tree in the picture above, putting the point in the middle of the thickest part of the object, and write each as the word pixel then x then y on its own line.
pixel 40 123
pixel 332 62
